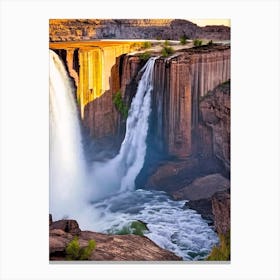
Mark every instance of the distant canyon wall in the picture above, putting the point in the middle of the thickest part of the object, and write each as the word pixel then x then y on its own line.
pixel 166 29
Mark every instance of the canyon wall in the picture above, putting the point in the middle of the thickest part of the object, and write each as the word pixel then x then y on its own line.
pixel 180 83
pixel 167 29
pixel 96 72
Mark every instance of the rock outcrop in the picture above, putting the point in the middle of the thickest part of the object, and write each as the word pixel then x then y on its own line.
pixel 221 211
pixel 203 188
pixel 215 122
pixel 169 29
pixel 210 197
pixel 108 247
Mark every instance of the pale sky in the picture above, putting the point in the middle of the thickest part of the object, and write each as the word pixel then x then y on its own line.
pixel 210 21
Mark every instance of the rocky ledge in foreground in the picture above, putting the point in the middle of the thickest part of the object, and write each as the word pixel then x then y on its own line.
pixel 108 247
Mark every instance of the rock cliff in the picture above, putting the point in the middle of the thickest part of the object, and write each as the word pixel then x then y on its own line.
pixel 215 121
pixel 180 82
pixel 180 125
pixel 108 247
pixel 170 29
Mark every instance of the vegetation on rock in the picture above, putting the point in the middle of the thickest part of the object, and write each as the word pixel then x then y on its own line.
pixel 120 105
pixel 221 252
pixel 197 42
pixel 75 252
pixel 166 51
pixel 145 55
pixel 146 45
pixel 183 40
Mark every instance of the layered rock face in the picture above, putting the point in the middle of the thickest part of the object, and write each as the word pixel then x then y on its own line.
pixel 108 247
pixel 96 72
pixel 180 82
pixel 101 69
pixel 90 29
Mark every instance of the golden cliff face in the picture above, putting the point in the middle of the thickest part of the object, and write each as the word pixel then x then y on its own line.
pixel 96 61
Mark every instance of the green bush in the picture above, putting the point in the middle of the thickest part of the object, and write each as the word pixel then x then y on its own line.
pixel 221 252
pixel 120 105
pixel 145 55
pixel 166 43
pixel 197 42
pixel 74 252
pixel 166 51
pixel 146 45
pixel 183 40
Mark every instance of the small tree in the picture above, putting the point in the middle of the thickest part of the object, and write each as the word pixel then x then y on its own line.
pixel 74 252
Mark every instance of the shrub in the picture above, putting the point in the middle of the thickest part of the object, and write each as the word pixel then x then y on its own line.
pixel 183 40
pixel 74 252
pixel 221 252
pixel 166 51
pixel 146 45
pixel 145 55
pixel 210 43
pixel 197 42
pixel 120 105
pixel 166 43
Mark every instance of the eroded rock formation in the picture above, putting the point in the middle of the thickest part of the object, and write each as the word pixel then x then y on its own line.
pixel 215 122
pixel 108 247
pixel 180 82
pixel 170 29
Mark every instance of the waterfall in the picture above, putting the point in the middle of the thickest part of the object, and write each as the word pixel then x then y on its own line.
pixel 119 173
pixel 67 164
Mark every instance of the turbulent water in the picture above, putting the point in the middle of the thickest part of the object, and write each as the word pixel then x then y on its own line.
pixel 104 199
pixel 119 174
pixel 172 227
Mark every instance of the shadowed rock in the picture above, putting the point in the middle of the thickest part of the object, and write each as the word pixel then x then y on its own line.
pixel 203 188
pixel 70 226
pixel 221 211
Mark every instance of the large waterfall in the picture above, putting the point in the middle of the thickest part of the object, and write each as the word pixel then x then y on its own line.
pixel 67 164
pixel 119 173
pixel 104 199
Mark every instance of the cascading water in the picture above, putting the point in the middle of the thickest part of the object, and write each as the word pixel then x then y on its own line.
pixel 182 231
pixel 119 174
pixel 67 164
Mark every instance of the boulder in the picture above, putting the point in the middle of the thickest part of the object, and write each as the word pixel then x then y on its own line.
pixel 203 207
pixel 203 187
pixel 70 226
pixel 171 175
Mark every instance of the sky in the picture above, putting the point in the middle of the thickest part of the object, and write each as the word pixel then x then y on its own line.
pixel 203 22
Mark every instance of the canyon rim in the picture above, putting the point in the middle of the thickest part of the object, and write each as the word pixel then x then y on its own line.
pixel 139 140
